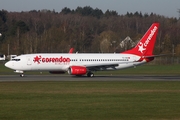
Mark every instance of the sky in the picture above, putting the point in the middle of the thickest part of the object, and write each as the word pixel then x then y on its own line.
pixel 168 8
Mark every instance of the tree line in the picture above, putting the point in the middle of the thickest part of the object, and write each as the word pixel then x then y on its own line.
pixel 86 29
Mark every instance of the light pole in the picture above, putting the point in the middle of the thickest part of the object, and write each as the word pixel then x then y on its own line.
pixel 113 44
pixel 173 53
pixel 8 49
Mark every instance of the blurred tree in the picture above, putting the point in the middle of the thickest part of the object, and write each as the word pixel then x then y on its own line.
pixel 167 48
pixel 86 29
pixel 66 10
pixel 3 26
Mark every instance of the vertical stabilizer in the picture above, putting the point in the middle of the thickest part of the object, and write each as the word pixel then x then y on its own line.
pixel 145 46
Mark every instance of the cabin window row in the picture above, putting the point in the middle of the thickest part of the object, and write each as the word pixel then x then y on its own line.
pixel 100 60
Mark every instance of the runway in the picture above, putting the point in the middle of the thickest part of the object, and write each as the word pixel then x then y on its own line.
pixel 16 78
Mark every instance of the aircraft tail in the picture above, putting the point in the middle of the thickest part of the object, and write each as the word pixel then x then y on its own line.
pixel 145 46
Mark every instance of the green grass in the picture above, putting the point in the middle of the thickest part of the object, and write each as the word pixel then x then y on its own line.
pixel 89 100
pixel 147 70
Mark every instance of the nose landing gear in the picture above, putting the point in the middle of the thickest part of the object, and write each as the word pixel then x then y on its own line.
pixel 21 72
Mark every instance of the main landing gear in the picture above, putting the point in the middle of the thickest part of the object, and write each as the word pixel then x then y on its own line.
pixel 90 74
pixel 21 75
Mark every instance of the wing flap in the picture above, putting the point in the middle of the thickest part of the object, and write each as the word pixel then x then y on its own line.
pixel 104 66
pixel 158 55
pixel 101 67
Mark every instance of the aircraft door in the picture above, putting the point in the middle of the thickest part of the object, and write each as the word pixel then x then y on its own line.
pixel 29 61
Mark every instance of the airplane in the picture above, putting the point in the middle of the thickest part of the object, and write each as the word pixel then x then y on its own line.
pixel 80 64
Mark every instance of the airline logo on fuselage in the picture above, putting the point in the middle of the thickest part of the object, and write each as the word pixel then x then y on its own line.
pixel 39 59
pixel 142 46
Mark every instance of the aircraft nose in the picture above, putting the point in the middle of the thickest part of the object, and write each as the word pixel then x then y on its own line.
pixel 8 65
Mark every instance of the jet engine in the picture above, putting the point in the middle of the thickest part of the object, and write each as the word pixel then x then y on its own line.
pixel 77 70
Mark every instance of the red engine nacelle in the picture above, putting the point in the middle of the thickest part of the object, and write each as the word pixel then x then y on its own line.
pixel 57 72
pixel 77 70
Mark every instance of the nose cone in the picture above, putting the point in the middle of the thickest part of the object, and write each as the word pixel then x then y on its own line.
pixel 8 64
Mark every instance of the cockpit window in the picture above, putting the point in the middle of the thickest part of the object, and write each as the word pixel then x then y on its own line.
pixel 15 59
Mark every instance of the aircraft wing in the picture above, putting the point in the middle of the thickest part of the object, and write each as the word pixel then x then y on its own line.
pixel 71 50
pixel 101 67
pixel 104 66
pixel 159 55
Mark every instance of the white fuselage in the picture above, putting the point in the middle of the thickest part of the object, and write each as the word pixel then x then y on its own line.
pixel 61 62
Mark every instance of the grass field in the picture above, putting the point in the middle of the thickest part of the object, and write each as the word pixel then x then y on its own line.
pixel 93 100
pixel 89 100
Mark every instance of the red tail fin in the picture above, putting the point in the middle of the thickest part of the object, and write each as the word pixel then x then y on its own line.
pixel 145 46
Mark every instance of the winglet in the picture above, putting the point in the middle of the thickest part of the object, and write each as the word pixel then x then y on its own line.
pixel 71 50
pixel 145 46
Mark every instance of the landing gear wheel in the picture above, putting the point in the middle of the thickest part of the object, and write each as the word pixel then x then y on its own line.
pixel 21 75
pixel 90 74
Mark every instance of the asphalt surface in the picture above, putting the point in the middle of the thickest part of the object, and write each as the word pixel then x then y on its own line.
pixel 13 78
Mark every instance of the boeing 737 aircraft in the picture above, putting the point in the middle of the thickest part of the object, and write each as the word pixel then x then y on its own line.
pixel 85 63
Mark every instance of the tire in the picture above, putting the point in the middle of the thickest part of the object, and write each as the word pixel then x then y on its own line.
pixel 21 75
pixel 90 74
